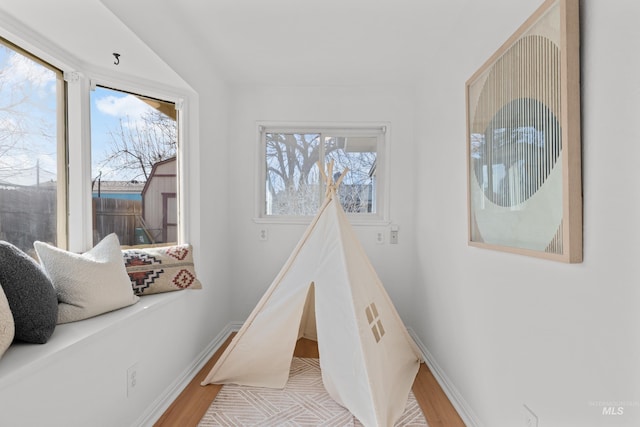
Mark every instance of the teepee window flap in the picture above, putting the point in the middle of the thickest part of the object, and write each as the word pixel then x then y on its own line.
pixel 374 321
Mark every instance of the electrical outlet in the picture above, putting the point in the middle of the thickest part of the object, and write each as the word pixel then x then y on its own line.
pixel 264 234
pixel 393 235
pixel 132 379
pixel 380 237
pixel 530 419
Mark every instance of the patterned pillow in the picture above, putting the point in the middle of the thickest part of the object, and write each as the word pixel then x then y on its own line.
pixel 87 284
pixel 159 269
pixel 7 326
pixel 30 294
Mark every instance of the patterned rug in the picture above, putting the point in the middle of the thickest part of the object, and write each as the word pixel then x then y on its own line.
pixel 303 402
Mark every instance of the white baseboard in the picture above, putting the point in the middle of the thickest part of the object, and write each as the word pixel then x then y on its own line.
pixel 160 405
pixel 235 326
pixel 464 410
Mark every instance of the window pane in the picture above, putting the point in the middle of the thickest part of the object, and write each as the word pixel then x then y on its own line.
pixel 358 154
pixel 29 149
pixel 292 184
pixel 134 168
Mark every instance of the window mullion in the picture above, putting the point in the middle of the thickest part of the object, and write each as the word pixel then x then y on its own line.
pixel 321 158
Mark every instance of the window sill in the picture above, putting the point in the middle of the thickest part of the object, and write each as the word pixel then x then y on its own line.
pixel 23 358
pixel 353 220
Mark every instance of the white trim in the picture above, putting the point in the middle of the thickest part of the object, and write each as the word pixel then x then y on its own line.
pixel 461 406
pixel 138 87
pixel 80 236
pixel 36 44
pixel 182 112
pixel 354 219
pixel 171 393
pixel 181 101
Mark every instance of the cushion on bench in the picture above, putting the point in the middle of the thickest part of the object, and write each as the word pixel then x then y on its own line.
pixel 159 269
pixel 30 294
pixel 87 284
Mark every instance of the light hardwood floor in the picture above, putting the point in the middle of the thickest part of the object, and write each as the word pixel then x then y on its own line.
pixel 193 402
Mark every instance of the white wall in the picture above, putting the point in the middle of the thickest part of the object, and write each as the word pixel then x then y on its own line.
pixel 255 263
pixel 509 330
pixel 504 329
pixel 86 384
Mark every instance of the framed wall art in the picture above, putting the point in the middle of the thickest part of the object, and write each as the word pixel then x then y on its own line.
pixel 523 140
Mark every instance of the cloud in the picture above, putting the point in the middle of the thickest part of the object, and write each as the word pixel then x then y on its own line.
pixel 126 106
pixel 19 69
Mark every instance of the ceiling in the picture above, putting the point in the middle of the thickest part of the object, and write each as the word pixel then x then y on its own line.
pixel 275 42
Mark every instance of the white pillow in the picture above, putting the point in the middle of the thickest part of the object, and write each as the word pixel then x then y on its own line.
pixel 87 284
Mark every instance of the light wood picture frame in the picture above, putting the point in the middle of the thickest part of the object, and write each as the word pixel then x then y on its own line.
pixel 523 140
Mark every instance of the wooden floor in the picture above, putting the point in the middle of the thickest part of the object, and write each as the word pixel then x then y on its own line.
pixel 193 402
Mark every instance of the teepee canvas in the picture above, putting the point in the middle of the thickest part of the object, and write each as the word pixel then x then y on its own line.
pixel 328 291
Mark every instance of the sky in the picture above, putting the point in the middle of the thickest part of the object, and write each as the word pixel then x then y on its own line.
pixel 28 122
pixel 107 108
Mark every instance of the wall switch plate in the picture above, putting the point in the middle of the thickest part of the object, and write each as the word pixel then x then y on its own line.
pixel 393 235
pixel 264 234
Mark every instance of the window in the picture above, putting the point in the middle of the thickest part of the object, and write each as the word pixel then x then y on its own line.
pixel 134 167
pixel 32 150
pixel 292 184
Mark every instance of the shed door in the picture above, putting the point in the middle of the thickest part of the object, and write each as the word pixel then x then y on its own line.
pixel 169 217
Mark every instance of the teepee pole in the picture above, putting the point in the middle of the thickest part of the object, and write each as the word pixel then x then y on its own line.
pixel 327 177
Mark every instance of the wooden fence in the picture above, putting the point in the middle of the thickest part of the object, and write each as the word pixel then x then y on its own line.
pixel 27 215
pixel 116 216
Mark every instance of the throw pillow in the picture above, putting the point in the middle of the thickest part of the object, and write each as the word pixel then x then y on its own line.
pixel 161 269
pixel 30 295
pixel 87 284
pixel 7 326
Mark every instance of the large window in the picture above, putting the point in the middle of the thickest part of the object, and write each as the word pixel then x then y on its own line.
pixel 32 150
pixel 134 142
pixel 292 183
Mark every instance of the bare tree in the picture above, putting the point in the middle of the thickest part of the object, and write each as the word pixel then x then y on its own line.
pixel 292 177
pixel 27 120
pixel 136 145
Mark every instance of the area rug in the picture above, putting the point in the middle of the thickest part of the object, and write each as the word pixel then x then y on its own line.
pixel 303 402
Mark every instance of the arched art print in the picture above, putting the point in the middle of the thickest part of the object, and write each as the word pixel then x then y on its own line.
pixel 523 140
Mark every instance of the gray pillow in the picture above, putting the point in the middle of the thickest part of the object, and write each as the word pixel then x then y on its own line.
pixel 30 294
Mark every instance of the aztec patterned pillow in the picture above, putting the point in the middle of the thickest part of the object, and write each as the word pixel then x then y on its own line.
pixel 154 270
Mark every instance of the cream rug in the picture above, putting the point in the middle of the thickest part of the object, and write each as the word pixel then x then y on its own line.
pixel 303 402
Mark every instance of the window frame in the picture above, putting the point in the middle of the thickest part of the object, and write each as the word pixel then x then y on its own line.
pixel 62 146
pixel 80 194
pixel 177 105
pixel 380 129
pixel 78 78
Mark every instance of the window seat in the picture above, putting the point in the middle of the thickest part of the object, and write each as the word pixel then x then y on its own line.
pixel 23 358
